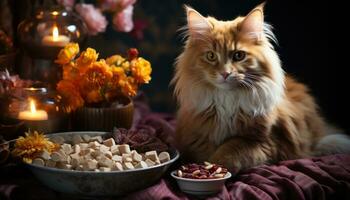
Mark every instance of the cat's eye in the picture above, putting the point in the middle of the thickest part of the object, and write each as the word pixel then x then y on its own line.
pixel 238 56
pixel 211 56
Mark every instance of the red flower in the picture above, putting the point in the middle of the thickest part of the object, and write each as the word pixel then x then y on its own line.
pixel 132 53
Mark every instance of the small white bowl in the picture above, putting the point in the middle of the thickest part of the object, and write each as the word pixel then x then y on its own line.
pixel 200 186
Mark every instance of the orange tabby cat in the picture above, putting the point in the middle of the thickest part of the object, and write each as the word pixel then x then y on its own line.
pixel 236 105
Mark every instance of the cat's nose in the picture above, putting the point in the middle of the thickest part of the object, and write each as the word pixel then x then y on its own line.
pixel 225 74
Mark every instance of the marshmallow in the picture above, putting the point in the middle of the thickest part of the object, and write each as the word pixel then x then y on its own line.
pixel 117 158
pixel 67 148
pixel 90 165
pixel 50 163
pixel 124 148
pixel 141 164
pixel 105 162
pixel 105 169
pixel 128 165
pixel 57 139
pixel 149 162
pixel 109 142
pixel 38 161
pixel 86 138
pixel 136 157
pixel 97 139
pixel 76 148
pixel 45 155
pixel 115 149
pixel 77 139
pixel 164 157
pixel 117 166
pixel 152 155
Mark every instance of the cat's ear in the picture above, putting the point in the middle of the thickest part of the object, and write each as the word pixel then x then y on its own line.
pixel 253 23
pixel 197 24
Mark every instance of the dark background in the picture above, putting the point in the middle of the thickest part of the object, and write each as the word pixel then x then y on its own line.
pixel 302 28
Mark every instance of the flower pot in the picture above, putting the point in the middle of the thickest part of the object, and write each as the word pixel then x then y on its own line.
pixel 104 119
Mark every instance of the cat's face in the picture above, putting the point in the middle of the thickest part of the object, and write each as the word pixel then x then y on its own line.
pixel 229 54
pixel 229 64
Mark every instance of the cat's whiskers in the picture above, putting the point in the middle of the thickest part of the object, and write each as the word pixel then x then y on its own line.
pixel 245 85
pixel 248 79
pixel 256 76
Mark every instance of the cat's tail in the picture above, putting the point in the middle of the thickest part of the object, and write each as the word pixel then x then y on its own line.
pixel 333 143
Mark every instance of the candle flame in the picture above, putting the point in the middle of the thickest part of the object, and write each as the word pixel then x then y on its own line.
pixel 55 33
pixel 32 106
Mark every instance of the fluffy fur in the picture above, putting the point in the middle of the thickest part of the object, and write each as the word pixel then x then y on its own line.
pixel 240 113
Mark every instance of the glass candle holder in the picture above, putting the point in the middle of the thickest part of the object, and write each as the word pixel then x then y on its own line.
pixel 43 35
pixel 38 110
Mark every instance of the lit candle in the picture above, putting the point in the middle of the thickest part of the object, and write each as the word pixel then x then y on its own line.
pixel 55 39
pixel 33 114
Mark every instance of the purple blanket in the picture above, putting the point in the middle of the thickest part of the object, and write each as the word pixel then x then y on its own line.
pixel 314 178
pixel 317 178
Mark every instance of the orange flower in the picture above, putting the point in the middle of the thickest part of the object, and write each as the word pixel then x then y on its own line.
pixel 86 58
pixel 67 54
pixel 126 66
pixel 118 61
pixel 118 74
pixel 141 70
pixel 128 86
pixel 98 74
pixel 70 71
pixel 94 96
pixel 117 71
pixel 115 60
pixel 70 93
pixel 31 145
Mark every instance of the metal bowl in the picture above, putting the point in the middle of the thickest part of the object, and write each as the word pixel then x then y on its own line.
pixel 90 183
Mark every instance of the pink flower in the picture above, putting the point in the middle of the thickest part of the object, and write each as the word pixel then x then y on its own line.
pixel 93 18
pixel 122 21
pixel 66 3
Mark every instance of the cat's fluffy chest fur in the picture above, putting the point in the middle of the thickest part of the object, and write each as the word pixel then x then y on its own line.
pixel 226 109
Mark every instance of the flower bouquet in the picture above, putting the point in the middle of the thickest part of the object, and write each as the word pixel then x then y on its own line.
pixel 98 92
